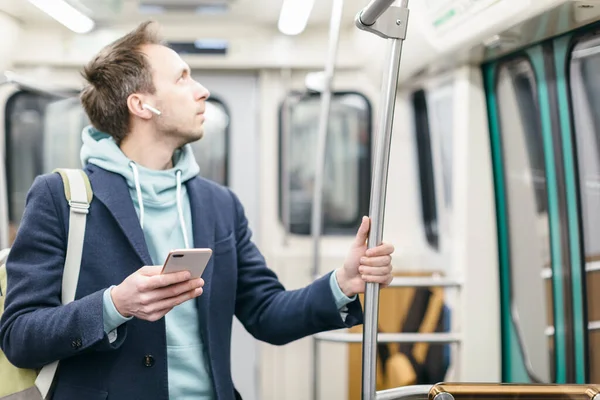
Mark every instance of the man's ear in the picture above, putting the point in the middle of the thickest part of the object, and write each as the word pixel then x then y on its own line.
pixel 135 104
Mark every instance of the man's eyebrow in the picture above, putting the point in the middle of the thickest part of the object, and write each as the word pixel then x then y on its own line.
pixel 185 69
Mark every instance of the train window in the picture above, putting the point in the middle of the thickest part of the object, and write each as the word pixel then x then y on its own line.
pixel 585 95
pixel 528 224
pixel 44 132
pixel 25 139
pixel 425 160
pixel 441 105
pixel 347 178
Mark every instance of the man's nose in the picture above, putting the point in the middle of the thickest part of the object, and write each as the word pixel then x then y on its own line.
pixel 201 92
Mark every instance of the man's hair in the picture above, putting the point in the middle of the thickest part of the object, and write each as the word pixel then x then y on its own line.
pixel 117 71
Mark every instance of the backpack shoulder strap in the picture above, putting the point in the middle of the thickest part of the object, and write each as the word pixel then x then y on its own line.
pixel 78 192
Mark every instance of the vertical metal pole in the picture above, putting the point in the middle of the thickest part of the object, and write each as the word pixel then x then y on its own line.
pixel 317 212
pixel 4 217
pixel 376 210
pixel 286 125
pixel 4 199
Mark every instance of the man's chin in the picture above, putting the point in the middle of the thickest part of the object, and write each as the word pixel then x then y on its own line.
pixel 195 136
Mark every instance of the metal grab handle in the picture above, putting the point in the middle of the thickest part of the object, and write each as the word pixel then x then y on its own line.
pixel 380 172
pixel 373 10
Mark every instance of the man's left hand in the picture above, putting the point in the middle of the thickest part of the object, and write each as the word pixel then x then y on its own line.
pixel 365 265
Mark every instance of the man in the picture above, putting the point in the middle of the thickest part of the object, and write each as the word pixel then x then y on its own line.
pixel 132 332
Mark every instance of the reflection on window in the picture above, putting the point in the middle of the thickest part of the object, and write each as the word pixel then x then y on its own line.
pixel 526 198
pixel 585 94
pixel 211 151
pixel 44 133
pixel 346 182
pixel 426 177
pixel 441 102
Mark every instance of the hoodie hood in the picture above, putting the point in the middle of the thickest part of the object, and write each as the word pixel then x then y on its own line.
pixel 151 189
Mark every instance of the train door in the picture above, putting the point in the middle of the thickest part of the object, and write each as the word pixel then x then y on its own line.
pixel 537 250
pixel 562 78
pixel 578 56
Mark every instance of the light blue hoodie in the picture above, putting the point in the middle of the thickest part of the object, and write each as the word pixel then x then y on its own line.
pixel 163 207
pixel 162 204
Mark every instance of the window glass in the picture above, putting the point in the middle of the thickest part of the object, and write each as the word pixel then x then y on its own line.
pixel 25 152
pixel 585 95
pixel 441 102
pixel 528 224
pixel 346 182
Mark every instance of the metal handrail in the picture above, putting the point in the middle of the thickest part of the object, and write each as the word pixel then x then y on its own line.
pixel 401 281
pixel 591 266
pixel 347 337
pixel 592 326
pixel 417 392
pixel 492 391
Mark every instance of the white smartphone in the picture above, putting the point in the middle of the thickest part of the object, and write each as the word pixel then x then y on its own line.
pixel 193 260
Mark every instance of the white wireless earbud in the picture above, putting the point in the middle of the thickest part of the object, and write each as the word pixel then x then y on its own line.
pixel 152 109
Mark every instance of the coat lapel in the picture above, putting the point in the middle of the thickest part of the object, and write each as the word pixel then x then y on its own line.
pixel 111 189
pixel 203 223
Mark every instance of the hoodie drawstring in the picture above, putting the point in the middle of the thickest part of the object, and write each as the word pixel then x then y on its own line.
pixel 180 210
pixel 138 190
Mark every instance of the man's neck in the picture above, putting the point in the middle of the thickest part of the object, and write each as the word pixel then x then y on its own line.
pixel 151 155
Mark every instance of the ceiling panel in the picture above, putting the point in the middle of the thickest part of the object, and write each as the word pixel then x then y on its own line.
pixel 106 12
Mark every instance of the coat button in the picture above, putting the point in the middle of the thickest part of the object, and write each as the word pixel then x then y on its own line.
pixel 148 360
pixel 76 344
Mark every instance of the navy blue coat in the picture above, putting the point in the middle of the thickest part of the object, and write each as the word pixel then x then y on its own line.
pixel 36 329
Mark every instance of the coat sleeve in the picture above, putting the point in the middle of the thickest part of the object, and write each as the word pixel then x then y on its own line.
pixel 35 328
pixel 275 315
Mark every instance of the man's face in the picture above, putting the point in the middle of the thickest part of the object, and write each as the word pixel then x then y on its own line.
pixel 180 99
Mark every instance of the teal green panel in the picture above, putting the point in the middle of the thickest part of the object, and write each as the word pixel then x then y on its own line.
pixel 509 343
pixel 561 57
pixel 537 60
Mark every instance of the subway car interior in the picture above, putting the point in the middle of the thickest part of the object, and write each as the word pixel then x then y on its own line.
pixel 463 128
